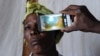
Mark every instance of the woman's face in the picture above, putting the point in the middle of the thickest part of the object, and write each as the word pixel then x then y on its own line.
pixel 38 41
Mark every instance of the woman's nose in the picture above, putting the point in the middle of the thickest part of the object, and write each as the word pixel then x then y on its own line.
pixel 35 32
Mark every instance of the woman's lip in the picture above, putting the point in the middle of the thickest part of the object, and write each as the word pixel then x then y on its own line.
pixel 34 42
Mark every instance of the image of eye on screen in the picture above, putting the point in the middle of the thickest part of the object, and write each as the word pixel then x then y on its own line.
pixel 52 22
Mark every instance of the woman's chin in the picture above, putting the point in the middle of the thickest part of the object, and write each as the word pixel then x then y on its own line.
pixel 37 49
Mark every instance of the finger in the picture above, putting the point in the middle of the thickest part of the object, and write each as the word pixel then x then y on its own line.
pixel 67 29
pixel 76 20
pixel 72 10
pixel 71 7
pixel 70 28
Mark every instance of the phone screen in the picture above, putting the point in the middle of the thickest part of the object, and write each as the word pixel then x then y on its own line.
pixel 51 22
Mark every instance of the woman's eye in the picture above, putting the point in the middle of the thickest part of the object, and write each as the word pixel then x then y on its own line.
pixel 27 28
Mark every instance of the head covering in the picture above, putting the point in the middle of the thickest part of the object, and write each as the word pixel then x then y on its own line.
pixel 35 7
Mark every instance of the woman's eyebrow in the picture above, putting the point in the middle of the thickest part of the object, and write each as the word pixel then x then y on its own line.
pixel 26 22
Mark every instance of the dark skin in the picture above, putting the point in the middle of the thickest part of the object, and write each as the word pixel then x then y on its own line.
pixel 83 20
pixel 40 43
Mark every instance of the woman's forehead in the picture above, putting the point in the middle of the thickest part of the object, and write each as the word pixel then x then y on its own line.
pixel 30 18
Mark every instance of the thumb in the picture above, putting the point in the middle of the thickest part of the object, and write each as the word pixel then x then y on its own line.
pixel 63 11
pixel 69 29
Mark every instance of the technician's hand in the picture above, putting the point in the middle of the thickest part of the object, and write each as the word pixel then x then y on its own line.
pixel 83 20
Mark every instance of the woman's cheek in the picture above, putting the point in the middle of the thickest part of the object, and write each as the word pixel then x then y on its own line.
pixel 42 34
pixel 27 36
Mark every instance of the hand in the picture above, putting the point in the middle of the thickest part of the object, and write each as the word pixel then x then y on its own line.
pixel 83 20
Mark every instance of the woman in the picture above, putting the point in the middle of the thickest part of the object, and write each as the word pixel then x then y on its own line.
pixel 40 43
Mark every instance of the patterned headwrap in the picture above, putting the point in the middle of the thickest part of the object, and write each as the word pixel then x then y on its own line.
pixel 35 7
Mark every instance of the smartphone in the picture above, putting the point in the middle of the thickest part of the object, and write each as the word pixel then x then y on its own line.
pixel 53 22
